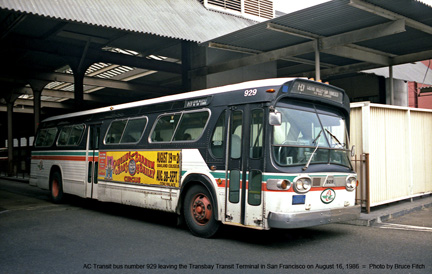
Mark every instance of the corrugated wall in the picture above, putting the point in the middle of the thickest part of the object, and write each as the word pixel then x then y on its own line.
pixel 399 144
pixel 421 128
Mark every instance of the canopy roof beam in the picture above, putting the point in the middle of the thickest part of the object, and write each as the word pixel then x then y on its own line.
pixel 390 15
pixel 327 45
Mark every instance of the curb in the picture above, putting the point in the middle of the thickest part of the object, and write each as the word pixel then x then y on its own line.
pixel 392 211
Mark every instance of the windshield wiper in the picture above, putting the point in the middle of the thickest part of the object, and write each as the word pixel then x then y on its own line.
pixel 334 137
pixel 316 147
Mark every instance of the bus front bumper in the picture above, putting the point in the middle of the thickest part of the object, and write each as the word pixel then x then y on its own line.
pixel 305 219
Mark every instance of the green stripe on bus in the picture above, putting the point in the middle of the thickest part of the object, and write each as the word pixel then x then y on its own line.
pixel 60 153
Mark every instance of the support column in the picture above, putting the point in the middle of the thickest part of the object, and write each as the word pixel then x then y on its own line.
pixel 79 89
pixel 79 68
pixel 186 65
pixel 10 100
pixel 391 85
pixel 10 137
pixel 37 88
pixel 317 61
pixel 193 57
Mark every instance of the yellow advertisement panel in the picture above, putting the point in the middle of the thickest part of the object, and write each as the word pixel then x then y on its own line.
pixel 143 167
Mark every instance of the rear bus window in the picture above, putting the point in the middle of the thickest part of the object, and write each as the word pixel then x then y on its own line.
pixel 46 137
pixel 126 131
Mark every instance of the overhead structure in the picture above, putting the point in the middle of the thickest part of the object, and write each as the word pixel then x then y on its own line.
pixel 334 38
pixel 100 53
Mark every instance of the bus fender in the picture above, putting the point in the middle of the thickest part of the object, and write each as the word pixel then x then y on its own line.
pixel 192 179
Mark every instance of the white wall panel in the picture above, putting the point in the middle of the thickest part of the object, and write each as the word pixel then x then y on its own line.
pixel 399 143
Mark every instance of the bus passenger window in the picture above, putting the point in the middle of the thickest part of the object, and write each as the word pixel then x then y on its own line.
pixel 63 136
pixel 75 135
pixel 70 135
pixel 191 126
pixel 115 132
pixel 134 130
pixel 126 131
pixel 164 128
pixel 218 137
pixel 46 137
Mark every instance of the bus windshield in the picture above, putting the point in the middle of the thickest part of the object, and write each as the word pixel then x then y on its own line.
pixel 308 136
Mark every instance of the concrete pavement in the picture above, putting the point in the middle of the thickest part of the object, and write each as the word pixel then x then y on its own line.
pixel 377 215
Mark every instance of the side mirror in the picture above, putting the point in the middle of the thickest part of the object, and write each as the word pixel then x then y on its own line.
pixel 275 118
pixel 353 151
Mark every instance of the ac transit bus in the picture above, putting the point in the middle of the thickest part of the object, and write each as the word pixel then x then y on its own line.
pixel 261 154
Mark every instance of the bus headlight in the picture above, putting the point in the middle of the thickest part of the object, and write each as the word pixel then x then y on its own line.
pixel 351 183
pixel 302 184
pixel 278 184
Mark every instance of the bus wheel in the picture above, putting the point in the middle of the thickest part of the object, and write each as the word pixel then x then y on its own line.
pixel 56 188
pixel 199 211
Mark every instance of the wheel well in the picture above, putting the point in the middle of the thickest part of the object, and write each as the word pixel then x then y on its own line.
pixel 54 169
pixel 197 179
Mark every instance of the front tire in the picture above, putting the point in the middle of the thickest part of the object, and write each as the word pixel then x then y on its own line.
pixel 199 212
pixel 56 188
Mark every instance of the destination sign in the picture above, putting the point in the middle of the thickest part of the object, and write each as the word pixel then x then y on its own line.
pixel 197 102
pixel 318 90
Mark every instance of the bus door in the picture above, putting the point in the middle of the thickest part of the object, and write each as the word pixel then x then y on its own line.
pixel 92 160
pixel 244 199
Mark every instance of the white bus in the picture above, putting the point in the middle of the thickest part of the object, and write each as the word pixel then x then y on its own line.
pixel 262 154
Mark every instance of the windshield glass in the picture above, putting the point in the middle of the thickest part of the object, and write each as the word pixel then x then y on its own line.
pixel 307 135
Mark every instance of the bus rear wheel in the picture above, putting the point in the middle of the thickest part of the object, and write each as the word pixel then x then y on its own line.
pixel 199 212
pixel 56 188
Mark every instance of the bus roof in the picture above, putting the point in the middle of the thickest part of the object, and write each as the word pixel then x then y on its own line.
pixel 180 96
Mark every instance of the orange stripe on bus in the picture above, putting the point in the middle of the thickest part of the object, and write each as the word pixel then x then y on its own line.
pixel 63 158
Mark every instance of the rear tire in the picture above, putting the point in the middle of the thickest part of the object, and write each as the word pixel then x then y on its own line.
pixel 56 188
pixel 199 212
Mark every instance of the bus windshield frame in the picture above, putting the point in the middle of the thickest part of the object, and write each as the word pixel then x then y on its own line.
pixel 310 135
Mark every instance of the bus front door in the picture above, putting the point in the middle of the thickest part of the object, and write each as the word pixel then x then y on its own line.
pixel 244 199
pixel 92 160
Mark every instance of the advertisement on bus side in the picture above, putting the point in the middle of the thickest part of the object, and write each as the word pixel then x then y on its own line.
pixel 142 167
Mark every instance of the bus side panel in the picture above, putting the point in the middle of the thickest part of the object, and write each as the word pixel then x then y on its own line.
pixel 74 176
pixel 159 198
pixel 72 166
pixel 40 171
pixel 154 196
pixel 194 163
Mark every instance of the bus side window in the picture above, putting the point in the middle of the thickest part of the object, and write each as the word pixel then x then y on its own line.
pixel 63 136
pixel 70 135
pixel 134 130
pixel 115 132
pixel 164 128
pixel 217 141
pixel 191 126
pixel 46 137
pixel 126 131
